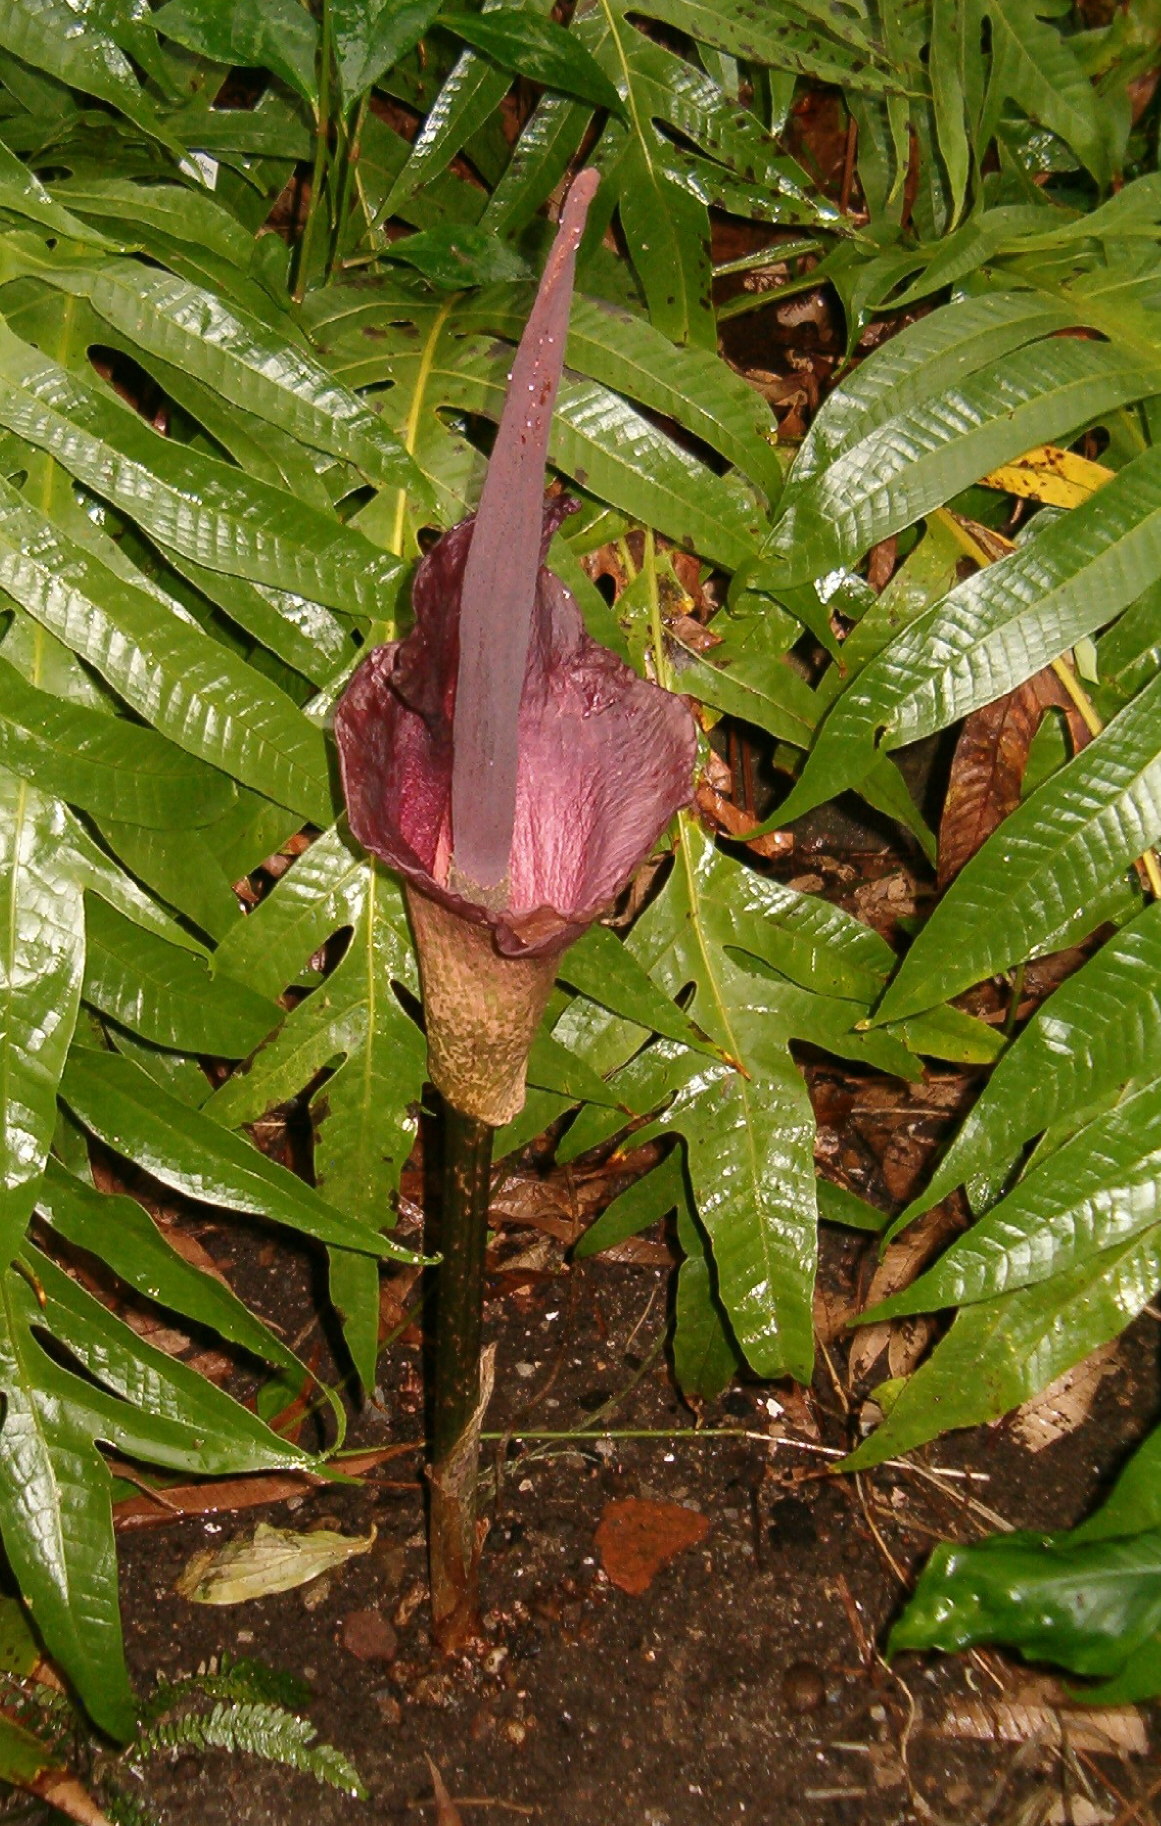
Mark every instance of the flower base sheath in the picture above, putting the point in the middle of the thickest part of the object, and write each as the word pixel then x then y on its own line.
pixel 604 760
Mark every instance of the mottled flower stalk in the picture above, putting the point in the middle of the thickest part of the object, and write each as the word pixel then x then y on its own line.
pixel 516 774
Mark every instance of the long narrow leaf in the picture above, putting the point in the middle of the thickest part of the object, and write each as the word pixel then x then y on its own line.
pixel 1069 1055
pixel 188 1151
pixel 1049 860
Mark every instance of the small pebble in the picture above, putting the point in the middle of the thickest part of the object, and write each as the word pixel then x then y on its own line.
pixel 316 1593
pixel 369 1636
pixel 515 1730
pixel 388 1708
pixel 803 1687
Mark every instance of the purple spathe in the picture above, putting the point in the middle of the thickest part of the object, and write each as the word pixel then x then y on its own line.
pixel 604 760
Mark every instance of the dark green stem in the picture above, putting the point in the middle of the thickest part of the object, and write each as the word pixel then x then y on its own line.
pixel 349 153
pixel 321 148
pixel 455 1420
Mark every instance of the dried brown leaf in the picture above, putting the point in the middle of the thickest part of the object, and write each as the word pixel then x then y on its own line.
pixel 446 1811
pixel 902 1262
pixel 1064 1405
pixel 156 1509
pixel 68 1796
pixel 725 816
pixel 1103 1731
pixel 987 770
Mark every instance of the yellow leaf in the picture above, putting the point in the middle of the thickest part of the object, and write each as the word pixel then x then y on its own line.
pixel 276 1559
pixel 1058 478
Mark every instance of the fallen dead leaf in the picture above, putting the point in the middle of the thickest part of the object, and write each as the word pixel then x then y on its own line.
pixel 724 815
pixel 1078 1810
pixel 1058 477
pixel 68 1796
pixel 226 1495
pixel 640 1251
pixel 987 770
pixel 446 1811
pixel 906 1340
pixel 1064 1405
pixel 1036 1709
pixel 636 1537
pixel 275 1559
pixel 410 1602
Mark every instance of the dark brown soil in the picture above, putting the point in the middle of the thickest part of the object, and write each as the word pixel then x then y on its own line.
pixel 743 1685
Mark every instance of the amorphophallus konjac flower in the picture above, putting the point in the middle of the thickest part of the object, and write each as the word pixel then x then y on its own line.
pixel 516 774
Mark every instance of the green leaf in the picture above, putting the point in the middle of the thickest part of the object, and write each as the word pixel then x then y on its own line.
pixel 1135 1500
pixel 456 255
pixel 120 1232
pixel 183 211
pixel 1002 1352
pixel 42 956
pixel 925 361
pixel 186 1150
pixel 205 509
pixel 308 637
pixel 1139 1678
pixel 277 35
pixel 830 45
pixel 21 193
pixel 104 764
pixel 189 687
pixel 1086 1605
pixel 921 457
pixel 951 52
pixel 74 45
pixel 167 995
pixel 181 868
pixel 1038 67
pixel 836 1205
pixel 605 969
pixel 242 360
pixel 19 1649
pixel 1069 1054
pixel 683 99
pixel 323 890
pixel 166 1411
pixel 995 629
pixel 466 100
pixel 535 48
pixel 372 35
pixel 705 1357
pixel 23 1756
pixel 772 696
pixel 552 1067
pixel 668 232
pixel 96 870
pixel 1094 1192
pixel 1073 837
pixel 748 1126
pixel 56 1521
pixel 688 385
pixel 645 1202
pixel 599 439
pixel 367 1114
pixel 951 1033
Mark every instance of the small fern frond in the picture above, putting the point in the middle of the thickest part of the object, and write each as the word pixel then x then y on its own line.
pixel 260 1729
pixel 230 1678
